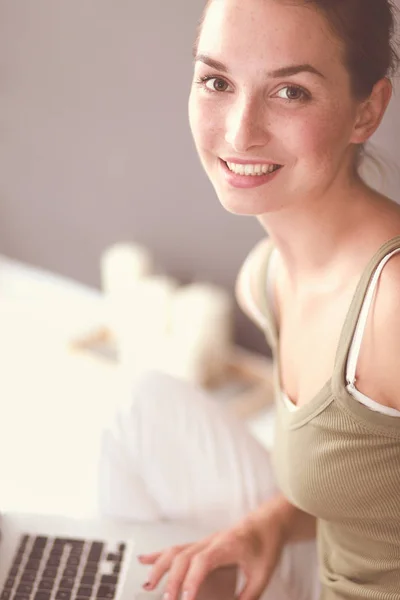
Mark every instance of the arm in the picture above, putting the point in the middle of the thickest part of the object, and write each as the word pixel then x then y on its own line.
pixel 296 524
pixel 378 364
pixel 254 545
pixel 248 288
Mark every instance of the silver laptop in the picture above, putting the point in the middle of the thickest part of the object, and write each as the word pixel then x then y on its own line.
pixel 56 558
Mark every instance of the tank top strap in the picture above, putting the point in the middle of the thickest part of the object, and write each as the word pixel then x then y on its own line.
pixel 356 320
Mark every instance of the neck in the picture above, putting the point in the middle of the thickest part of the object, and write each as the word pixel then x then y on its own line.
pixel 311 236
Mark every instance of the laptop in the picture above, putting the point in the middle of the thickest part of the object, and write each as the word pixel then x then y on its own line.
pixel 60 558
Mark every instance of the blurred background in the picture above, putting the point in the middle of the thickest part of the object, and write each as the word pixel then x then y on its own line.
pixel 95 145
pixel 95 149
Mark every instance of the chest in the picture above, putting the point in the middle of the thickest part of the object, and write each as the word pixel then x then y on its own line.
pixel 310 332
pixel 336 469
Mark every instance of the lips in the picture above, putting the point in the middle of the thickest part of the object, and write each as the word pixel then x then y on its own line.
pixel 252 169
pixel 249 175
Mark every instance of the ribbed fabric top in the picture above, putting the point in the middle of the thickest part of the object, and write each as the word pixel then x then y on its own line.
pixel 338 460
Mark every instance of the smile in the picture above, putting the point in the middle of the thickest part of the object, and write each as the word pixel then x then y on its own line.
pixel 248 175
pixel 252 170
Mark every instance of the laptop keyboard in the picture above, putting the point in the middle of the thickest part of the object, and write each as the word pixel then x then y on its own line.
pixel 47 568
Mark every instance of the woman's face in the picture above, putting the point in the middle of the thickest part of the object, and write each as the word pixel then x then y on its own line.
pixel 270 108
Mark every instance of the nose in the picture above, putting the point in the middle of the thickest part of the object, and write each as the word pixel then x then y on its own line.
pixel 246 125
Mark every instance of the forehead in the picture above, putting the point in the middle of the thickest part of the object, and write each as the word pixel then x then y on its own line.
pixel 271 32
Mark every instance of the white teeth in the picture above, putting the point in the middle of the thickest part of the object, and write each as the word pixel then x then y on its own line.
pixel 251 170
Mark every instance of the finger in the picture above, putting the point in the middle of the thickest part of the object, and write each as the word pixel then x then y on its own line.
pixel 162 565
pixel 253 589
pixel 200 567
pixel 177 575
pixel 149 559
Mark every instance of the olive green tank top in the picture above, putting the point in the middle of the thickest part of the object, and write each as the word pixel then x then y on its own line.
pixel 338 460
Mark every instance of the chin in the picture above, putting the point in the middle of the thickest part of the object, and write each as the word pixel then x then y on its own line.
pixel 242 209
pixel 242 203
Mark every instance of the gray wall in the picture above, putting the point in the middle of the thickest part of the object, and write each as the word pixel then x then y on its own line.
pixel 95 145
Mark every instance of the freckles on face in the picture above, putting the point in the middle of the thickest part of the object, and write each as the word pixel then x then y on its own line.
pixel 322 138
pixel 249 115
pixel 206 124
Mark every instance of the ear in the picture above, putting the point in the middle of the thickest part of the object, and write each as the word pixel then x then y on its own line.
pixel 371 111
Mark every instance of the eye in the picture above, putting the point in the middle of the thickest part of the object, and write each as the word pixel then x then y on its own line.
pixel 292 93
pixel 214 84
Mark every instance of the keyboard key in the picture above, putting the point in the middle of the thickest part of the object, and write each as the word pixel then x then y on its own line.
pixel 66 583
pixel 36 553
pixel 6 594
pixel 113 579
pixel 46 585
pixel 73 561
pixel 9 584
pixel 13 571
pixel 21 552
pixel 75 551
pixel 24 588
pixel 63 541
pixel 63 595
pixel 85 591
pixel 28 577
pixel 32 564
pixel 53 562
pixel 112 557
pixel 23 542
pixel 70 571
pixel 42 596
pixel 91 569
pixel 50 573
pixel 76 544
pixel 95 551
pixel 40 544
pixel 106 591
pixel 88 580
pixel 18 559
pixel 21 597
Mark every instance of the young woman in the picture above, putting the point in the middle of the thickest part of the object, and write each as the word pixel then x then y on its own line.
pixel 284 97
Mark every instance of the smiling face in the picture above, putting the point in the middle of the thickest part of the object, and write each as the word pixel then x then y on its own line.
pixel 271 109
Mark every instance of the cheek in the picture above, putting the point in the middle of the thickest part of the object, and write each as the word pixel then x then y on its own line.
pixel 192 112
pixel 320 138
pixel 203 124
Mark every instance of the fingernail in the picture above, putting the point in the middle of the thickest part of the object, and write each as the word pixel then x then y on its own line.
pixel 166 596
pixel 185 595
pixel 147 585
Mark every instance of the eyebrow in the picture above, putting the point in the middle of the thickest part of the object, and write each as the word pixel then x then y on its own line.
pixel 281 72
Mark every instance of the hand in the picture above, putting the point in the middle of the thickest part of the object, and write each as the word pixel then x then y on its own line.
pixel 255 546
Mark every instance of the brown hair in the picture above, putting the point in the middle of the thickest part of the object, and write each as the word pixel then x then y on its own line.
pixel 366 29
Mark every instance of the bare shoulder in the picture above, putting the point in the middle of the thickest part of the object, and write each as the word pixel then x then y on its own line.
pixel 382 352
pixel 248 284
